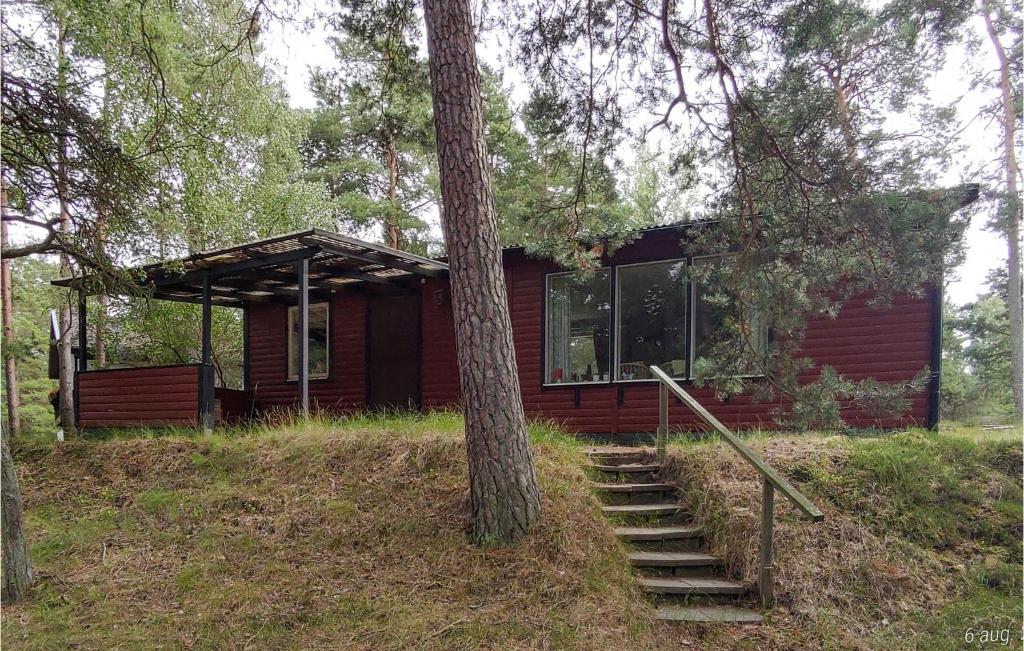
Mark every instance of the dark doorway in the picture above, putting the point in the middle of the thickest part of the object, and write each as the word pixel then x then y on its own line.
pixel 393 352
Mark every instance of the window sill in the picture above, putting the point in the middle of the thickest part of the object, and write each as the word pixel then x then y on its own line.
pixel 569 385
pixel 653 380
pixel 319 378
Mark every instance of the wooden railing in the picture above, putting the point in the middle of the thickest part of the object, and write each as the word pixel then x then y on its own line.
pixel 772 480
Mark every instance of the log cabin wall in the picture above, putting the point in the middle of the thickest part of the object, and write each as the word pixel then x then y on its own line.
pixel 890 345
pixel 344 388
pixel 147 396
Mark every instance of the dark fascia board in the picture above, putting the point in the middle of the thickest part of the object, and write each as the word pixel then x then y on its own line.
pixel 388 252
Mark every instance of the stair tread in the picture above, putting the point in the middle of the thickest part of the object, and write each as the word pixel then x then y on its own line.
pixel 657 533
pixel 690 585
pixel 634 488
pixel 725 614
pixel 672 558
pixel 627 467
pixel 640 508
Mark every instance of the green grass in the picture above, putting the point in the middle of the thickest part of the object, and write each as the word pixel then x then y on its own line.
pixel 313 533
pixel 921 538
pixel 352 532
pixel 982 618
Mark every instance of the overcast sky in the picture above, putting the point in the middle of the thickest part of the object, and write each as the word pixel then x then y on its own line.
pixel 294 51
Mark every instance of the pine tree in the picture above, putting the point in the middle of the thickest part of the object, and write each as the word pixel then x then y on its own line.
pixel 504 496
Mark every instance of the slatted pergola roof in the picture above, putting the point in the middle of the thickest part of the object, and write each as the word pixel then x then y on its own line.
pixel 265 270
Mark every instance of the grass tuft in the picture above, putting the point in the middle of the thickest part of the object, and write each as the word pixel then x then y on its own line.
pixel 921 537
pixel 311 533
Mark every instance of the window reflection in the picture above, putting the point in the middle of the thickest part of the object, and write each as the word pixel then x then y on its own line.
pixel 318 354
pixel 651 319
pixel 578 325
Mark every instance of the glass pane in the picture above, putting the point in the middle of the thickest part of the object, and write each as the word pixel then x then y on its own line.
pixel 717 323
pixel 578 323
pixel 652 319
pixel 319 360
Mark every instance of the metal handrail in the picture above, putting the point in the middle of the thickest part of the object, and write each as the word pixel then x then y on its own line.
pixel 771 478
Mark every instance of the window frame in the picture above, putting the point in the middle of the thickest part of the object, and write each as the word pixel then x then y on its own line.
pixel 546 358
pixel 289 342
pixel 691 358
pixel 617 315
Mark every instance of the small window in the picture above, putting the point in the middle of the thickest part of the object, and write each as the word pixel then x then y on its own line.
pixel 578 323
pixel 651 322
pixel 717 323
pixel 319 357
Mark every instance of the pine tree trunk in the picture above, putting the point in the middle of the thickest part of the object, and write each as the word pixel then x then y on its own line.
pixel 65 357
pixel 102 302
pixel 504 497
pixel 17 574
pixel 1012 217
pixel 10 368
pixel 394 235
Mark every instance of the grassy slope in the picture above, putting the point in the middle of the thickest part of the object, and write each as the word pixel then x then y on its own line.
pixel 313 536
pixel 922 537
pixel 352 535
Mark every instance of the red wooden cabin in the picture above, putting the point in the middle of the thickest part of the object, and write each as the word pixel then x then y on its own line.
pixel 380 335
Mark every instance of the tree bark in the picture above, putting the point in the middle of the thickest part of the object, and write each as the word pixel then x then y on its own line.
pixel 102 302
pixel 10 367
pixel 1011 217
pixel 391 222
pixel 65 357
pixel 504 497
pixel 17 574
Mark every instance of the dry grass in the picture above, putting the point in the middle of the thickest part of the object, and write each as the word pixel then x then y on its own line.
pixel 900 548
pixel 323 536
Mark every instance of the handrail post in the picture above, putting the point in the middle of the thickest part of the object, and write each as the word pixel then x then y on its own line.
pixel 765 583
pixel 662 420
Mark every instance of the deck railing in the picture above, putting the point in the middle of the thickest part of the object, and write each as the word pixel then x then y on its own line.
pixel 772 480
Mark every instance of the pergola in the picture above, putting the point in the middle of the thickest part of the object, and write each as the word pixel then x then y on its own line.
pixel 288 269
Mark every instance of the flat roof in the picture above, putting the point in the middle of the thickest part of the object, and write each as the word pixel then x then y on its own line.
pixel 264 270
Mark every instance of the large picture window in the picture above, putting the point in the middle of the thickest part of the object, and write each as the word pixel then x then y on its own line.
pixel 578 325
pixel 717 324
pixel 319 355
pixel 651 319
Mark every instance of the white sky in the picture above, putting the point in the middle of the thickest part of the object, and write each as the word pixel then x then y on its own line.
pixel 298 44
pixel 294 51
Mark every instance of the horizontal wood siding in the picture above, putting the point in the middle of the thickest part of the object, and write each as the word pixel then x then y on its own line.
pixel 891 345
pixel 344 388
pixel 150 396
pixel 439 373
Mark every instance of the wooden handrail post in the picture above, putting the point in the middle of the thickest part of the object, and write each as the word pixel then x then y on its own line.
pixel 765 582
pixel 662 420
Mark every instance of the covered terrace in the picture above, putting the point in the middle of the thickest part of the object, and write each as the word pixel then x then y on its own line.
pixel 288 269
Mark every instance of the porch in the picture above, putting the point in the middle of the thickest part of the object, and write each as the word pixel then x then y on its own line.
pixel 289 270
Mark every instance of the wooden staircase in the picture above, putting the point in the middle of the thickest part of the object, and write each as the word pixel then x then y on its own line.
pixel 667 550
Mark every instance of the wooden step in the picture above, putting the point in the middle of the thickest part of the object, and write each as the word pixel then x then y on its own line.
pixel 691 586
pixel 708 614
pixel 629 467
pixel 656 534
pixel 634 488
pixel 672 559
pixel 641 509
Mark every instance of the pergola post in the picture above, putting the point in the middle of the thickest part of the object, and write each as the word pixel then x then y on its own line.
pixel 303 270
pixel 246 371
pixel 206 399
pixel 83 333
pixel 83 351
